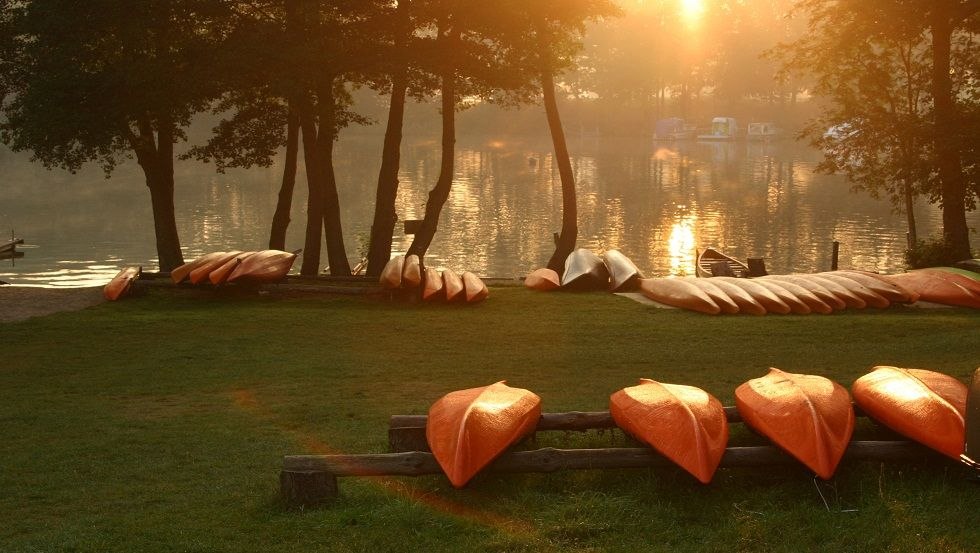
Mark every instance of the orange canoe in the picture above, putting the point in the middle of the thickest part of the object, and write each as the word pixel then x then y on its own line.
pixel 434 288
pixel 202 272
pixel 453 285
pixel 883 286
pixel 808 416
pixel 869 296
pixel 121 284
pixel 717 295
pixel 467 429
pixel 819 291
pixel 678 293
pixel 685 424
pixel 796 305
pixel 760 293
pixel 543 280
pixel 266 266
pixel 391 275
pixel 801 293
pixel 180 273
pixel 925 406
pixel 411 272
pixel 221 274
pixel 852 300
pixel 937 289
pixel 476 291
pixel 746 303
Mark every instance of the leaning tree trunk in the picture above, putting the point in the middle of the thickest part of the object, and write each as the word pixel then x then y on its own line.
pixel 157 161
pixel 314 204
pixel 280 221
pixel 440 192
pixel 565 242
pixel 384 207
pixel 952 184
pixel 326 137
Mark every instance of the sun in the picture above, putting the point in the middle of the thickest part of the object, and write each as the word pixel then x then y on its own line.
pixel 691 10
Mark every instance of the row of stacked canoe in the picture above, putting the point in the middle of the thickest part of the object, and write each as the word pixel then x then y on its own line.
pixel 808 416
pixel 408 274
pixel 824 292
pixel 215 268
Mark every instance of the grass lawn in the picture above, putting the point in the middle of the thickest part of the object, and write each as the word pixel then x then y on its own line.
pixel 159 424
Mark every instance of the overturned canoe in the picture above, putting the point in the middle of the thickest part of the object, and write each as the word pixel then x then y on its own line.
pixel 411 272
pixel 685 424
pixel 179 274
pixel 923 405
pixel 796 305
pixel 584 270
pixel 467 429
pixel 808 416
pixel 746 303
pixel 678 292
pixel 203 271
pixel 950 274
pixel 122 283
pixel 391 275
pixel 936 289
pixel 759 293
pixel 221 274
pixel 453 285
pixel 814 287
pixel 434 288
pixel 867 295
pixel 725 302
pixel 623 273
pixel 814 303
pixel 543 280
pixel 850 299
pixel 266 267
pixel 882 286
pixel 474 288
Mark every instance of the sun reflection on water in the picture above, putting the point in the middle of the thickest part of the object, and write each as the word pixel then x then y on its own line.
pixel 681 245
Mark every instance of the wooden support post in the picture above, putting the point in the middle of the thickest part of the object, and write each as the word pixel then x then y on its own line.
pixel 834 255
pixel 971 445
pixel 307 488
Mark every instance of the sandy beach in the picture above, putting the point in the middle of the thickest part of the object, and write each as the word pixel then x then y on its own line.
pixel 23 302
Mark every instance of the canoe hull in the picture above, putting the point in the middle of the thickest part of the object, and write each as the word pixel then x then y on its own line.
pixel 808 416
pixel 677 292
pixel 685 424
pixel 926 406
pixel 411 272
pixel 122 283
pixel 712 262
pixel 542 280
pixel 264 267
pixel 468 429
pixel 474 288
pixel 453 285
pixel 391 275
pixel 623 273
pixel 584 270
pixel 434 288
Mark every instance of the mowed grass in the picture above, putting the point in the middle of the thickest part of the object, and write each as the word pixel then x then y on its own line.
pixel 159 424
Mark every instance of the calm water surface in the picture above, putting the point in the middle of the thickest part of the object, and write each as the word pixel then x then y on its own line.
pixel 655 203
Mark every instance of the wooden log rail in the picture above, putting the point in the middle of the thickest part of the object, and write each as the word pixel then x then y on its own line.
pixel 312 479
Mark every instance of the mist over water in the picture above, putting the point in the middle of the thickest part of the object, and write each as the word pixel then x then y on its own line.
pixel 657 203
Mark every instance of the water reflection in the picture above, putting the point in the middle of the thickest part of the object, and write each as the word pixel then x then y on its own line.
pixel 656 204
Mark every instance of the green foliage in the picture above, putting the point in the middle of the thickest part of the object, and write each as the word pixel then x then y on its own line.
pixel 158 424
pixel 931 253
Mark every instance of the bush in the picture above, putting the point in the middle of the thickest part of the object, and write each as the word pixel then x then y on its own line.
pixel 932 253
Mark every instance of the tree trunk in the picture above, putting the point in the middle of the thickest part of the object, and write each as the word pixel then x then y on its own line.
pixel 280 221
pixel 314 205
pixel 569 208
pixel 440 192
pixel 326 137
pixel 384 207
pixel 156 158
pixel 956 234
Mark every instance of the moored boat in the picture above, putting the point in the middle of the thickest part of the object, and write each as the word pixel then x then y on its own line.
pixel 925 406
pixel 467 429
pixel 474 288
pixel 391 275
pixel 266 267
pixel 122 283
pixel 685 424
pixel 8 248
pixel 712 262
pixel 808 416
pixel 543 280
pixel 584 270
pixel 623 273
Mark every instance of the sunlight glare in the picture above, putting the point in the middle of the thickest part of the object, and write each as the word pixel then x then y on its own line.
pixel 680 246
pixel 691 11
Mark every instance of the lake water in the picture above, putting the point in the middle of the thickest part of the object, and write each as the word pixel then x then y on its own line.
pixel 655 203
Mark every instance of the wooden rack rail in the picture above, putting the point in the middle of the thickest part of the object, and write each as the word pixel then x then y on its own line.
pixel 312 479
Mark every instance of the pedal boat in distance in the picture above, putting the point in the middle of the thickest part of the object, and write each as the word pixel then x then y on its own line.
pixel 468 429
